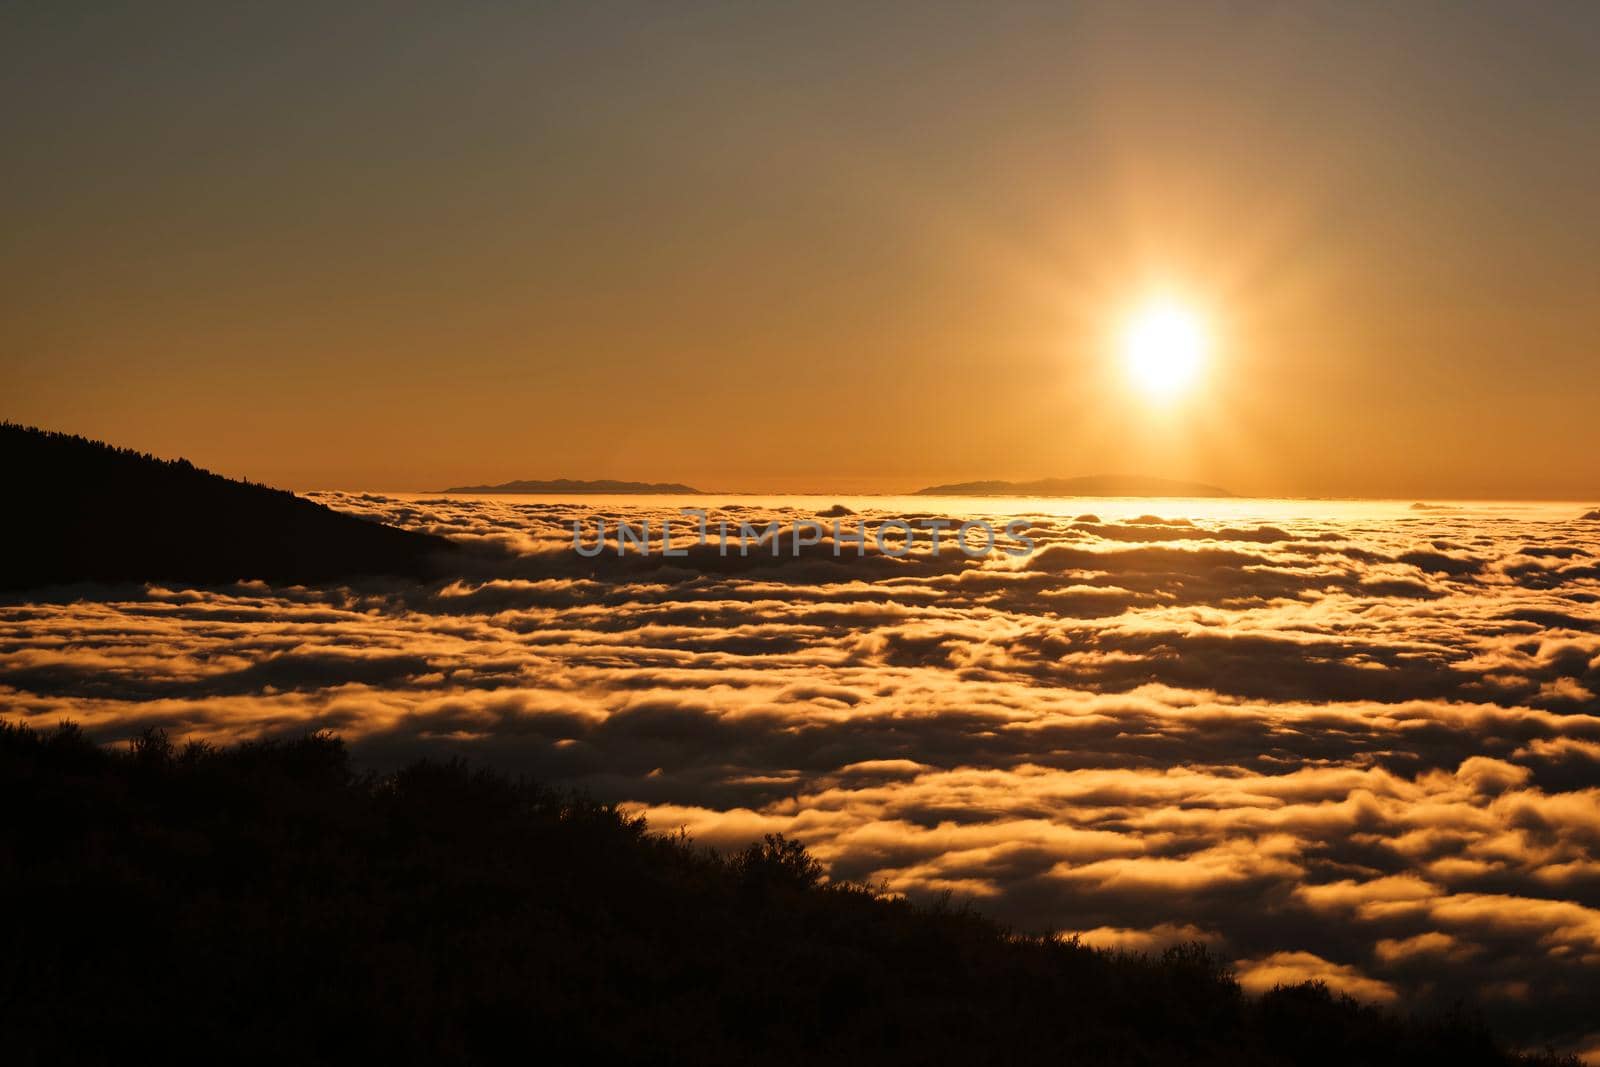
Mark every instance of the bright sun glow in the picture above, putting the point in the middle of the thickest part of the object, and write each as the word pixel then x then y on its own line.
pixel 1163 346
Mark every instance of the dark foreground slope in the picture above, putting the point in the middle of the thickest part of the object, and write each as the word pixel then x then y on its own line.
pixel 266 904
pixel 79 510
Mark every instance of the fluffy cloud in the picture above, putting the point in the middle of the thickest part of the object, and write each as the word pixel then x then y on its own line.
pixel 1291 968
pixel 1364 750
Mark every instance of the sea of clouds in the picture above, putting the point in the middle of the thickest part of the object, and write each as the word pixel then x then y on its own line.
pixel 1357 747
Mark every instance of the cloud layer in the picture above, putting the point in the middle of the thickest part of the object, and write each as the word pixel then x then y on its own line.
pixel 1351 747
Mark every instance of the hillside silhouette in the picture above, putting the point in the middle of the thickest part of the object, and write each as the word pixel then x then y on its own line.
pixel 268 903
pixel 84 511
pixel 1091 485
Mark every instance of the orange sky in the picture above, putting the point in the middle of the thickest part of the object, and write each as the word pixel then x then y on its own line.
pixel 810 247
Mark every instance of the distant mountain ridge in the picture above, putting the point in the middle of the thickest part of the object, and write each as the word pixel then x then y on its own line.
pixel 568 485
pixel 1092 485
pixel 85 511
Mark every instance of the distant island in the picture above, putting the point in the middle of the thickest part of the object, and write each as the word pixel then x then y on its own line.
pixel 1093 485
pixel 85 511
pixel 568 485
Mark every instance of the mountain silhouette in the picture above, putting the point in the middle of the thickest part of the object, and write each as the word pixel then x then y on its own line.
pixel 85 511
pixel 1092 485
pixel 567 485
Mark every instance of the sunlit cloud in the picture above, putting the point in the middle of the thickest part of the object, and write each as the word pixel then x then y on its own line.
pixel 1361 752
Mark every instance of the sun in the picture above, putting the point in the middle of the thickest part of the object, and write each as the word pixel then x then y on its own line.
pixel 1163 346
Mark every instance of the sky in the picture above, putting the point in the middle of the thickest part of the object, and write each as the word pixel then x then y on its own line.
pixel 819 247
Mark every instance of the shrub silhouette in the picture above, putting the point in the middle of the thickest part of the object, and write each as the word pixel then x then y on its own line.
pixel 268 902
pixel 776 862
